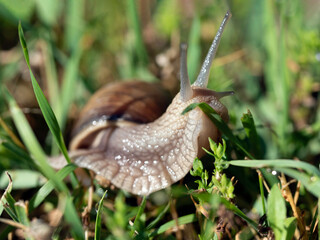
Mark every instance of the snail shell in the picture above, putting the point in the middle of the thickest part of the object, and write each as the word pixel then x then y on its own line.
pixel 137 150
pixel 117 105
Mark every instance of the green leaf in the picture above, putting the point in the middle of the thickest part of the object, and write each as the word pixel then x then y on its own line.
pixel 316 217
pixel 6 231
pixel 197 168
pixel 245 234
pixel 290 227
pixel 173 223
pixel 134 23
pixel 17 9
pixel 138 216
pixel 276 212
pixel 43 103
pixel 47 188
pixel 70 78
pixel 238 212
pixel 7 202
pixel 72 218
pixel 6 199
pixel 23 179
pixel 310 182
pixel 213 145
pixel 200 184
pixel 98 217
pixel 310 178
pixel 22 213
pixel 262 193
pixel 159 217
pixel 208 152
pixel 205 176
pixel 251 131
pixel 166 17
pixel 74 24
pixel 217 120
pixel 32 143
pixel 119 217
pixel 277 163
pixel 49 11
pixel 19 152
pixel 277 78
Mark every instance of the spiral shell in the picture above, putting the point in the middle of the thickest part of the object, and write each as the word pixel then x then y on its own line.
pixel 119 104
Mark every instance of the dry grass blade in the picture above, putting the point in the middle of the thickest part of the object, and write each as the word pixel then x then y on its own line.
pixel 14 138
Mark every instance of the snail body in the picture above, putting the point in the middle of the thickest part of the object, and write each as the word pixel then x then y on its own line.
pixel 145 155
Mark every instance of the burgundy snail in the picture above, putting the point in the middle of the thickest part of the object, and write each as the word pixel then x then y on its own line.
pixel 121 140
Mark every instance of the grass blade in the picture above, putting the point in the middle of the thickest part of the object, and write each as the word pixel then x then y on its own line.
pixel 318 217
pixel 23 179
pixel 47 188
pixel 3 199
pixel 19 152
pixel 314 220
pixel 311 183
pixel 98 218
pixel 6 231
pixel 310 178
pixel 290 225
pixel 276 211
pixel 159 217
pixel 14 138
pixel 72 218
pixel 69 82
pixel 251 131
pixel 43 103
pixel 217 120
pixel 32 143
pixel 74 24
pixel 238 212
pixel 288 163
pixel 137 219
pixel 7 202
pixel 135 22
pixel 181 221
pixel 262 192
pixel 194 49
pixel 51 73
pixel 22 212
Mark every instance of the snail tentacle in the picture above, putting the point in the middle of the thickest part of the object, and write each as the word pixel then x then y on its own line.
pixel 220 95
pixel 202 79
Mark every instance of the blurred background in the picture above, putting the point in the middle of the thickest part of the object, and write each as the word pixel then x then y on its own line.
pixel 269 55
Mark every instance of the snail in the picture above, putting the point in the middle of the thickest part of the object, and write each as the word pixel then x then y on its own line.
pixel 154 151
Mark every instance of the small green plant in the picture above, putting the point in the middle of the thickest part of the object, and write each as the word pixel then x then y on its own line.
pixel 219 182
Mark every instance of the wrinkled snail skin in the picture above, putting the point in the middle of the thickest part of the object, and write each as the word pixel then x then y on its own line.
pixel 144 158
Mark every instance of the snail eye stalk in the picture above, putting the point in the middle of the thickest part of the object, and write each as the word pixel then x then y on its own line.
pixel 202 79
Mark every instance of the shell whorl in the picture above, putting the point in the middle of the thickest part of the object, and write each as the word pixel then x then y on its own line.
pixel 118 104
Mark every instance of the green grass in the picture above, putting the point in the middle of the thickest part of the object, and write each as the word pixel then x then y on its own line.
pixel 268 161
